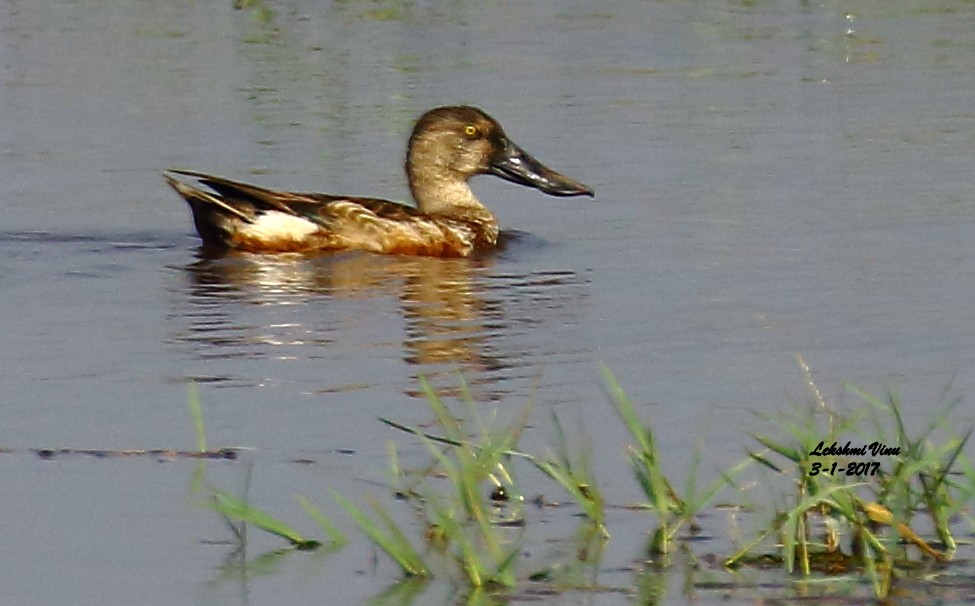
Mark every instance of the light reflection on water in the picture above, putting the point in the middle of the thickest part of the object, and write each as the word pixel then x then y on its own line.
pixel 444 318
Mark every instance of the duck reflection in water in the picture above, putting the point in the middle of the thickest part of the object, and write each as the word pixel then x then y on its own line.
pixel 459 315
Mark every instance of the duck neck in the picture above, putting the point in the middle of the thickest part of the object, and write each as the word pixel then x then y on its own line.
pixel 436 193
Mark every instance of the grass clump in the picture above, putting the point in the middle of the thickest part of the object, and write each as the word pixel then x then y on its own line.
pixel 859 487
pixel 673 511
pixel 574 473
pixel 462 525
pixel 858 495
pixel 391 539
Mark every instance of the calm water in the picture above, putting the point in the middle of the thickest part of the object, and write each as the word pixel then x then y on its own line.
pixel 773 178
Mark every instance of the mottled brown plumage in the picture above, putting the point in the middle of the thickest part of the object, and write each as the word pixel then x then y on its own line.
pixel 449 145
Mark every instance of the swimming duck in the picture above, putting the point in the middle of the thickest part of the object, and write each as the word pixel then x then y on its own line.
pixel 449 145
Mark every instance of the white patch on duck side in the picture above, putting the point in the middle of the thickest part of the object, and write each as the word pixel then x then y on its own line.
pixel 275 225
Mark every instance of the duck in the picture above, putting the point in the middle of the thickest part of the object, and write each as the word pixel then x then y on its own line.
pixel 448 146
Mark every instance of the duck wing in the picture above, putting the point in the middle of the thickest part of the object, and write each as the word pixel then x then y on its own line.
pixel 246 201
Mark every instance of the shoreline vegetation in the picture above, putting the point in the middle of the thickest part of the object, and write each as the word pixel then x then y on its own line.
pixel 865 502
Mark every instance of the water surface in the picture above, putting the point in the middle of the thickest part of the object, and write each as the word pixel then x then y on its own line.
pixel 772 179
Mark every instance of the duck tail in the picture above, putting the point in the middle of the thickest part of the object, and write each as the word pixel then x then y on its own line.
pixel 198 198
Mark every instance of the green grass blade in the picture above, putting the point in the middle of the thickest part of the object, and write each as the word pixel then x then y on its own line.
pixel 644 458
pixel 787 452
pixel 392 540
pixel 695 502
pixel 336 536
pixel 196 413
pixel 624 407
pixel 234 507
pixel 764 461
pixel 451 426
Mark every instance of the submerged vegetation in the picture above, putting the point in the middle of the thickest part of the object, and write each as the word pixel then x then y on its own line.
pixel 852 493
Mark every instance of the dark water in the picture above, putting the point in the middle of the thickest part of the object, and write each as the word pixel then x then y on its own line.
pixel 773 178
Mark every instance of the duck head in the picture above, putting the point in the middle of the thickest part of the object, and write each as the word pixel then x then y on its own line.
pixel 449 145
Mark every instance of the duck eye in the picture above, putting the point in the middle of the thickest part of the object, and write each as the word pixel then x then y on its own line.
pixel 470 130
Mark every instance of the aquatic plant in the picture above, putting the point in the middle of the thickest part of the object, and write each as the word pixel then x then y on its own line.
pixel 852 506
pixel 459 521
pixel 574 473
pixel 673 511
pixel 234 508
pixel 237 512
pixel 874 502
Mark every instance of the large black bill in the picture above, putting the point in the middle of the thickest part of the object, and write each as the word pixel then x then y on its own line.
pixel 515 165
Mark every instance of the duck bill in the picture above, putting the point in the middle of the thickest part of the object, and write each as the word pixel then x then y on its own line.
pixel 516 165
